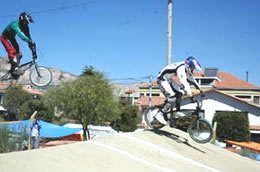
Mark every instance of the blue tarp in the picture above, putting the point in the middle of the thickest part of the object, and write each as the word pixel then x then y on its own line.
pixel 48 130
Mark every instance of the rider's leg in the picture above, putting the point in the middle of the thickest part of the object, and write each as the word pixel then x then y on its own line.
pixel 170 102
pixel 169 94
pixel 13 64
pixel 179 92
pixel 179 96
pixel 16 61
pixel 15 71
pixel 13 56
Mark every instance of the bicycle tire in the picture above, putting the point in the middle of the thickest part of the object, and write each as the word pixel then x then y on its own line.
pixel 200 131
pixel 43 80
pixel 5 82
pixel 150 120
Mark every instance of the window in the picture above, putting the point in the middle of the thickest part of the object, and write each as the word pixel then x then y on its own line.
pixel 147 94
pixel 207 82
pixel 153 94
pixel 256 100
pixel 243 97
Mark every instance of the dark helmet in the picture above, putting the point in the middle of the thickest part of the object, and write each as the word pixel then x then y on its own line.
pixel 24 16
pixel 193 63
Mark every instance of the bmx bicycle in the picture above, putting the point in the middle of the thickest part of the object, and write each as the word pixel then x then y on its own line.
pixel 39 76
pixel 199 129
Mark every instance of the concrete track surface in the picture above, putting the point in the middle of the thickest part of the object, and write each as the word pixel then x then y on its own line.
pixel 166 150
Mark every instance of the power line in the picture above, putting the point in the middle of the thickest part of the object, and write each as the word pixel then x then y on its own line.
pixel 56 9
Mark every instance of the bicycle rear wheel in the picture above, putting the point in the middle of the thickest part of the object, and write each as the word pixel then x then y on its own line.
pixel 200 131
pixel 5 81
pixel 40 76
pixel 150 120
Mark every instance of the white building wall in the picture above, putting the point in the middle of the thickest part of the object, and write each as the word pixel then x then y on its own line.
pixel 214 102
pixel 254 120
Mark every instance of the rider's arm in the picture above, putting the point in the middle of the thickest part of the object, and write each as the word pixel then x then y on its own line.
pixel 25 29
pixel 19 32
pixel 192 80
pixel 181 73
pixel 24 34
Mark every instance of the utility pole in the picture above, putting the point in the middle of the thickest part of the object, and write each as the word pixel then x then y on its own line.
pixel 169 33
pixel 150 91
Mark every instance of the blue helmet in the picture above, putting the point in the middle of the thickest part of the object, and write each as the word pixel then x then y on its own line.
pixel 193 63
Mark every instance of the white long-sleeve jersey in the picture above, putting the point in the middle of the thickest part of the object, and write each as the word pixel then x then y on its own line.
pixel 184 75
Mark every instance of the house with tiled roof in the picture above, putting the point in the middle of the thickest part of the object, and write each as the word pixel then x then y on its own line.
pixel 224 92
pixel 212 78
pixel 28 88
pixel 229 84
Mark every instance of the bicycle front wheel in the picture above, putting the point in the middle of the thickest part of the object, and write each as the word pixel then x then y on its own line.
pixel 149 118
pixel 200 131
pixel 40 76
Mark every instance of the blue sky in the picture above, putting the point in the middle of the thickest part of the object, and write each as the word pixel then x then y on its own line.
pixel 127 38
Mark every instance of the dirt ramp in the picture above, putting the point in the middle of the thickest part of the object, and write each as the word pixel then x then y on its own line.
pixel 154 151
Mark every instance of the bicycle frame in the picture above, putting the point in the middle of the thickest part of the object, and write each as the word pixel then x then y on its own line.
pixel 190 112
pixel 30 64
pixel 199 129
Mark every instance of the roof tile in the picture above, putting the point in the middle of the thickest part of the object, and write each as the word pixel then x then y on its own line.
pixel 156 100
pixel 229 81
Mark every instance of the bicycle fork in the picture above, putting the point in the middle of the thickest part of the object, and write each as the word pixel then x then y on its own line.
pixel 37 70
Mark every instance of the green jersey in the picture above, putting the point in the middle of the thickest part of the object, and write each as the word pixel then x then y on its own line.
pixel 12 29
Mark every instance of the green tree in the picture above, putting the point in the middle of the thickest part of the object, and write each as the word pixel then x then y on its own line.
pixel 29 107
pixel 88 100
pixel 128 118
pixel 91 71
pixel 232 126
pixel 13 100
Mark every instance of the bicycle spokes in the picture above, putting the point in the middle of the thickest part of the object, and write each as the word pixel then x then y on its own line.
pixel 6 81
pixel 40 76
pixel 200 131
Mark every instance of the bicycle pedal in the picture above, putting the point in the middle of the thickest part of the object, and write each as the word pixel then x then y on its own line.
pixel 14 76
pixel 18 73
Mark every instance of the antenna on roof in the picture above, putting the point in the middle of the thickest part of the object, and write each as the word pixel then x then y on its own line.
pixel 247 76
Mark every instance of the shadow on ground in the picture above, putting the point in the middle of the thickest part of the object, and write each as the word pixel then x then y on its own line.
pixel 176 138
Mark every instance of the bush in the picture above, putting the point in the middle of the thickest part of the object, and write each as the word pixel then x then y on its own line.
pixel 128 119
pixel 4 136
pixel 10 142
pixel 15 96
pixel 29 107
pixel 232 126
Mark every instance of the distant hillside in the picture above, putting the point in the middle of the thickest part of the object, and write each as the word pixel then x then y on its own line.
pixel 59 76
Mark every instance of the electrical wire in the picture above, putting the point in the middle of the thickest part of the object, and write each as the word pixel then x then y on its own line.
pixel 56 9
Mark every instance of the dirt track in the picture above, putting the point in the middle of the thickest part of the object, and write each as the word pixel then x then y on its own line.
pixel 165 150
